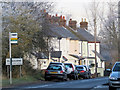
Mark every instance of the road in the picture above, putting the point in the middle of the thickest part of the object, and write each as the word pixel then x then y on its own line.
pixel 88 84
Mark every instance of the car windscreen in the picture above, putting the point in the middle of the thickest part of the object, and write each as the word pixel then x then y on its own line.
pixel 52 67
pixel 117 67
pixel 68 65
pixel 79 68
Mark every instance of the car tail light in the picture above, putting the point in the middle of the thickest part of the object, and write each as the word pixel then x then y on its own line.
pixel 73 68
pixel 46 71
pixel 82 71
pixel 61 71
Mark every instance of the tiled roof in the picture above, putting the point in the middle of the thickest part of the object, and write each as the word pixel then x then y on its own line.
pixel 60 31
pixel 80 37
pixel 66 32
pixel 89 37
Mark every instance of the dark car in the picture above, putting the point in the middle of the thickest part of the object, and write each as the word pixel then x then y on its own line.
pixel 88 71
pixel 81 71
pixel 55 72
pixel 72 72
pixel 114 78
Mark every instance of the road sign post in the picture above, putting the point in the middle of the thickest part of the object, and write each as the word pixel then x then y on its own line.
pixel 10 58
pixel 12 40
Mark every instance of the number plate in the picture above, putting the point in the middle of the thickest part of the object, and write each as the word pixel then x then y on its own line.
pixel 53 72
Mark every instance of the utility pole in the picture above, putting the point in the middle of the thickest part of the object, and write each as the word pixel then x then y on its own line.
pixel 118 31
pixel 95 32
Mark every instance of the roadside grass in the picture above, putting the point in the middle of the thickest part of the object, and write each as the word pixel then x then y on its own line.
pixel 23 80
pixel 15 81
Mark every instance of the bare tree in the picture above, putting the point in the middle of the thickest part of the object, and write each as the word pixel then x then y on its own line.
pixel 109 32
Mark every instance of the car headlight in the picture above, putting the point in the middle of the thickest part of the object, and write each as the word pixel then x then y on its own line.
pixel 112 78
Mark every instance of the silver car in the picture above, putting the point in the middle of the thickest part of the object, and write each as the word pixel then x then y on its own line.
pixel 114 78
pixel 55 72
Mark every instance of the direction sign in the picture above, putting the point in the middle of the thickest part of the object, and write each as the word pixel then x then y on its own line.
pixel 13 38
pixel 15 61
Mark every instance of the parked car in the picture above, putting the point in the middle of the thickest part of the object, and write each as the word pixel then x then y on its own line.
pixel 81 71
pixel 55 72
pixel 58 63
pixel 72 72
pixel 88 71
pixel 114 78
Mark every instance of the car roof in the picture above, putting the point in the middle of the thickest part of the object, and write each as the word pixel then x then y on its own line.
pixel 54 62
pixel 68 63
pixel 79 66
pixel 56 65
pixel 117 62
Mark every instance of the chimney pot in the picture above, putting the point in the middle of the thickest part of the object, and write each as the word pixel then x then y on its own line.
pixel 64 17
pixel 82 19
pixel 44 10
pixel 85 19
pixel 61 17
pixel 56 15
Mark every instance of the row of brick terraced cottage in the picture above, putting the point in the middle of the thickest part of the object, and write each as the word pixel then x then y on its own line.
pixel 69 44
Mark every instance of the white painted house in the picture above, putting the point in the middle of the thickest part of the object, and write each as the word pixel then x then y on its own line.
pixel 76 45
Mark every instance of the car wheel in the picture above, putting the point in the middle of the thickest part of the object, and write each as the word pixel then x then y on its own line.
pixel 64 78
pixel 74 77
pixel 111 88
pixel 46 79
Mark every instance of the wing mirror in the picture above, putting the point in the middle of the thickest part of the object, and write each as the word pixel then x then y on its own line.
pixel 108 70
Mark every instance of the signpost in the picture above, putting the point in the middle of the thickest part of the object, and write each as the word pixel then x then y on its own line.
pixel 12 40
pixel 15 61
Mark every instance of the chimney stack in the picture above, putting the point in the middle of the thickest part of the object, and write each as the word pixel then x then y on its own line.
pixel 84 24
pixel 62 21
pixel 72 24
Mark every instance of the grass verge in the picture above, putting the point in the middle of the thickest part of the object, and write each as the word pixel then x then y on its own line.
pixel 18 81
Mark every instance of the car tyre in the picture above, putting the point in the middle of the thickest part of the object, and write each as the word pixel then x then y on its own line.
pixel 112 88
pixel 46 79
pixel 65 78
pixel 74 77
